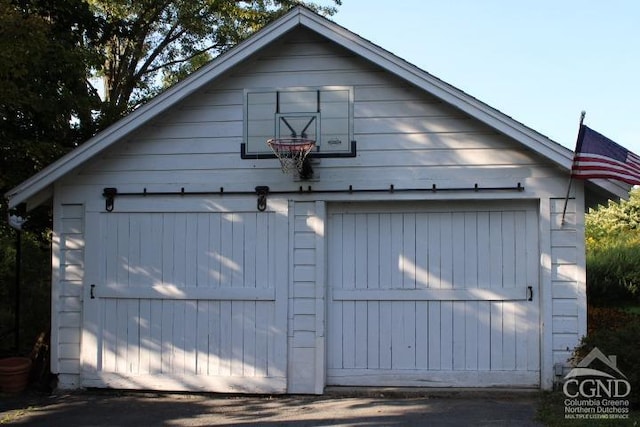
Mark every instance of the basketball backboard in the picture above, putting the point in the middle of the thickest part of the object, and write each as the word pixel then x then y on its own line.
pixel 320 114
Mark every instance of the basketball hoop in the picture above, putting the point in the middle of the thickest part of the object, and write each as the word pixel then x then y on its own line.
pixel 291 152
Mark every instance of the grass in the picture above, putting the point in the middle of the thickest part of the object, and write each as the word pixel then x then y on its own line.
pixel 11 416
pixel 551 413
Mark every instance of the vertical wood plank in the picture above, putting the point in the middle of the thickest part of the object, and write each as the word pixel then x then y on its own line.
pixel 348 334
pixel 397 231
pixel 484 335
pixel 496 336
pixel 180 250
pixel 446 335
pixel 373 251
pixel 434 231
pixel 190 336
pixel 226 250
pixel 215 251
pixel 446 251
pixel 336 350
pixel 109 334
pixel 168 235
pixel 214 349
pixel 263 258
pixel 263 319
pixel 178 332
pixel 202 250
pixel 226 349
pixel 348 251
pixel 484 250
pixel 408 257
pixel 509 336
pixel 361 334
pixel 335 251
pixel 133 336
pixel 237 257
pixel 137 272
pixel 459 336
pixel 508 249
pixel 386 262
pixel 237 337
pixel 360 251
pixel 471 246
pixel 422 255
pixel 422 335
pixel 202 335
pixel 250 258
pixel 156 348
pixel 249 339
pixel 520 249
pixel 122 308
pixel 435 339
pixel 459 260
pixel 122 266
pixel 373 335
pixel 495 249
pixel 472 343
pixel 386 333
pixel 167 336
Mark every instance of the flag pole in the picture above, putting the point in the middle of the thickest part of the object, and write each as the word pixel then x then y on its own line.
pixel 566 199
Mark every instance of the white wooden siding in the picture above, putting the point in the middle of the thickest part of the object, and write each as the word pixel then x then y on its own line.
pixel 567 281
pixel 433 295
pixel 68 249
pixel 187 300
pixel 402 133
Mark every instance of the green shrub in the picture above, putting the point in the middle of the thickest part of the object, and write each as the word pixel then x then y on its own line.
pixel 613 273
pixel 622 342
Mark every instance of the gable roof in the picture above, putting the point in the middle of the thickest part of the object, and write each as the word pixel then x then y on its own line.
pixel 39 187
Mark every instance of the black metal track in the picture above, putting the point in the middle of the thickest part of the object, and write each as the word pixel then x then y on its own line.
pixel 112 192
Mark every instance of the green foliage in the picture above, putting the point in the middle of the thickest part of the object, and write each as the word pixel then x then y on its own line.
pixel 623 342
pixel 149 44
pixel 34 290
pixel 613 252
pixel 43 84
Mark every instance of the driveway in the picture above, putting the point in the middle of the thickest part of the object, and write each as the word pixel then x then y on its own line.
pixel 380 407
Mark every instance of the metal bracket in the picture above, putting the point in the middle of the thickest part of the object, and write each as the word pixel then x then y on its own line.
pixel 109 193
pixel 262 191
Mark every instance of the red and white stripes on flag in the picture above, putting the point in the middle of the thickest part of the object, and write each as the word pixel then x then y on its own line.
pixel 599 157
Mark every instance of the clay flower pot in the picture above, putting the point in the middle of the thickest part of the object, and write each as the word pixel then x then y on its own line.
pixel 14 374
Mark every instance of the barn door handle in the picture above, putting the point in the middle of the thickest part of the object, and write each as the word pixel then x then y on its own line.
pixel 529 293
pixel 91 295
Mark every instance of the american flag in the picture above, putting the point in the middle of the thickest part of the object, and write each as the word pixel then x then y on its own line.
pixel 599 157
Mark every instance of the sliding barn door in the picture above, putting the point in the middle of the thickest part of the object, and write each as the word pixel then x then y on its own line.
pixel 186 294
pixel 433 295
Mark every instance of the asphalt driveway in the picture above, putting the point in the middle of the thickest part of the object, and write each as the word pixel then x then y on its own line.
pixel 336 408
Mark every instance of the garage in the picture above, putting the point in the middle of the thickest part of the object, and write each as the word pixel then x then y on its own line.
pixel 188 295
pixel 433 294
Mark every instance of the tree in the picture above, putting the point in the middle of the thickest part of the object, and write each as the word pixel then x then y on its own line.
pixel 613 252
pixel 148 43
pixel 45 98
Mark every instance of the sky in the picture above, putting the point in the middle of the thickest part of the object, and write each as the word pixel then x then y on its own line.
pixel 541 62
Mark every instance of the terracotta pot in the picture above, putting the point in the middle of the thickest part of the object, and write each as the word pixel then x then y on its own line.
pixel 14 374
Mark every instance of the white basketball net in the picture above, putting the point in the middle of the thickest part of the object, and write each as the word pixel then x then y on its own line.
pixel 291 152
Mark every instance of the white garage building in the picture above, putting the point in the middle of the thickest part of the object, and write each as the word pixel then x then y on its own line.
pixel 426 249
